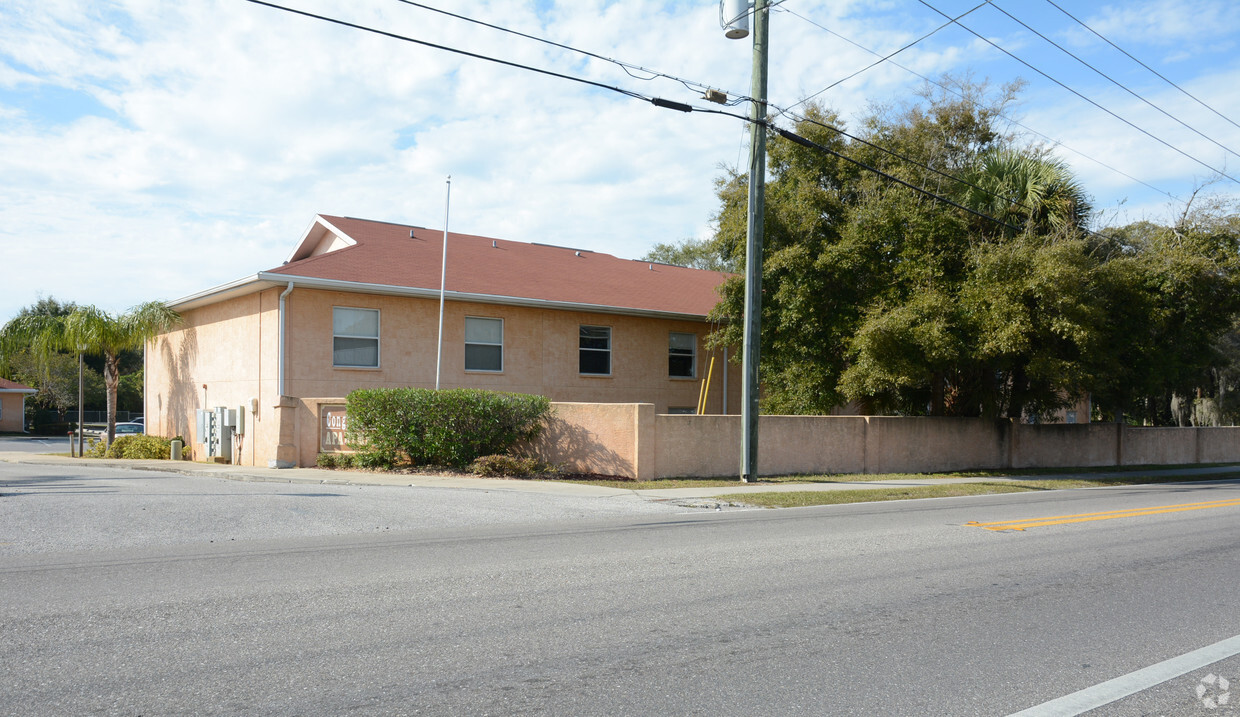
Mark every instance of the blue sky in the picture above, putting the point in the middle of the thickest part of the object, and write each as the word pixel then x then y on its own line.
pixel 149 150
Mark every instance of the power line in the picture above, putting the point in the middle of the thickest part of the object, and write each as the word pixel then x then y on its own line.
pixel 1018 203
pixel 628 67
pixel 1113 81
pixel 881 60
pixel 1151 69
pixel 901 157
pixel 693 85
pixel 656 101
pixel 806 142
pixel 1161 141
pixel 1010 120
pixel 424 43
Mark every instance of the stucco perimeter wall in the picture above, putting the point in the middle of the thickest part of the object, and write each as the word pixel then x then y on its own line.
pixel 786 445
pixel 920 445
pixel 605 438
pixel 1066 445
pixel 1159 446
pixel 1218 445
pixel 628 440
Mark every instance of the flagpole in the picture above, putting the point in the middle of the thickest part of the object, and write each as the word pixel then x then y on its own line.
pixel 443 274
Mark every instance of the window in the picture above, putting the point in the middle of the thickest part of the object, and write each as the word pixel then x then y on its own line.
pixel 595 354
pixel 681 355
pixel 484 344
pixel 355 338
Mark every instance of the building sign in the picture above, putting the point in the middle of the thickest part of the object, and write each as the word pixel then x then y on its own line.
pixel 331 428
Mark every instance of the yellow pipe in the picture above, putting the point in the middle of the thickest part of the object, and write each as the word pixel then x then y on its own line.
pixel 705 392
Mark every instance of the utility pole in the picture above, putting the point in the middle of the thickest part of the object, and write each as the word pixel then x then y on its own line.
pixel 753 245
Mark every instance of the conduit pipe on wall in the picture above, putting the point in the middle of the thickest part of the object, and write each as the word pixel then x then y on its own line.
pixel 283 296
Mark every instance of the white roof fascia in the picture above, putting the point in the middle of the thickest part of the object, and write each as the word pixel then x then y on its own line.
pixel 19 390
pixel 240 287
pixel 309 282
pixel 309 241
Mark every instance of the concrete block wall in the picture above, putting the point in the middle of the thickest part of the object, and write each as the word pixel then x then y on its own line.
pixel 628 440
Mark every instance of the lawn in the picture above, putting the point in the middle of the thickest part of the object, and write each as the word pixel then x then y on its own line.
pixel 799 499
pixel 868 477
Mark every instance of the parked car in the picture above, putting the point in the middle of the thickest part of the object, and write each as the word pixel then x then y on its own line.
pixel 139 419
pixel 130 428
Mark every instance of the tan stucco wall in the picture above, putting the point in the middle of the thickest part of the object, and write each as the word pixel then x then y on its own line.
pixel 231 348
pixel 599 438
pixel 12 413
pixel 1060 445
pixel 1217 445
pixel 710 445
pixel 1159 446
pixel 540 352
pixel 916 445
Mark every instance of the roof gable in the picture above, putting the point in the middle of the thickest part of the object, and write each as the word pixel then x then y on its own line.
pixel 343 249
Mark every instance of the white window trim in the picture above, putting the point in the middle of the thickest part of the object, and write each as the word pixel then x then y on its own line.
pixel 483 343
pixel 693 362
pixel 608 351
pixel 377 338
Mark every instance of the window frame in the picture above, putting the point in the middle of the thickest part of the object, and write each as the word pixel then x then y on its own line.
pixel 692 355
pixel 376 338
pixel 468 343
pixel 581 349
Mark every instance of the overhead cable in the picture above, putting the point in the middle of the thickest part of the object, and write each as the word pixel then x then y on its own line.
pixel 1113 81
pixel 964 97
pixel 1151 69
pixel 1143 131
pixel 656 101
pixel 628 67
pixel 881 60
pixel 454 50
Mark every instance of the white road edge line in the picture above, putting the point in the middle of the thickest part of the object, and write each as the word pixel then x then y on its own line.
pixel 1105 693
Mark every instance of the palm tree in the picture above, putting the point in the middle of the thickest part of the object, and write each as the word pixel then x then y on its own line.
pixel 1029 189
pixel 88 330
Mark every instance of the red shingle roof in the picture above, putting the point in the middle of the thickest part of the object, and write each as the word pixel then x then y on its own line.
pixel 385 254
pixel 7 385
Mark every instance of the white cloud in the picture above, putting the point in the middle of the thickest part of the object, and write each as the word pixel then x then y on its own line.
pixel 231 124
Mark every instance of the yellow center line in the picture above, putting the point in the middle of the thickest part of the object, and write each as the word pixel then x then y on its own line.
pixel 1105 515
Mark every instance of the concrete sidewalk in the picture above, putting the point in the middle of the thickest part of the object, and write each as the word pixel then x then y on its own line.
pixel 321 476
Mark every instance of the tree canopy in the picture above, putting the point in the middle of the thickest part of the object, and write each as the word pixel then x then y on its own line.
pixel 879 295
pixel 86 330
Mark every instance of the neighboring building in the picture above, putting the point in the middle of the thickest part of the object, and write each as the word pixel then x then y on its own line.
pixel 356 305
pixel 13 405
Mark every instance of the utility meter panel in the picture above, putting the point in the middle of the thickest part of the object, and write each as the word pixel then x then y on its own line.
pixel 208 432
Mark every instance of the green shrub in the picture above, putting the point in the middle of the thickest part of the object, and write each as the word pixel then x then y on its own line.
pixel 132 446
pixel 512 467
pixel 140 447
pixel 95 448
pixel 445 428
pixel 334 460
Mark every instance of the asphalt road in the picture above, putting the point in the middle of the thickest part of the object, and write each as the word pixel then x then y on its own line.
pixel 893 608
pixel 35 444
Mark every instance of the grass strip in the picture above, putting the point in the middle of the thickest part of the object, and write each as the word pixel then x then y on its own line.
pixel 1126 479
pixel 799 499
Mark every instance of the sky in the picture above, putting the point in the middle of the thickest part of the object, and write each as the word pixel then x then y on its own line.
pixel 150 150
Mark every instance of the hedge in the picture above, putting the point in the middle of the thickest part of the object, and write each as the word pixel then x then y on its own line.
pixel 136 446
pixel 387 426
